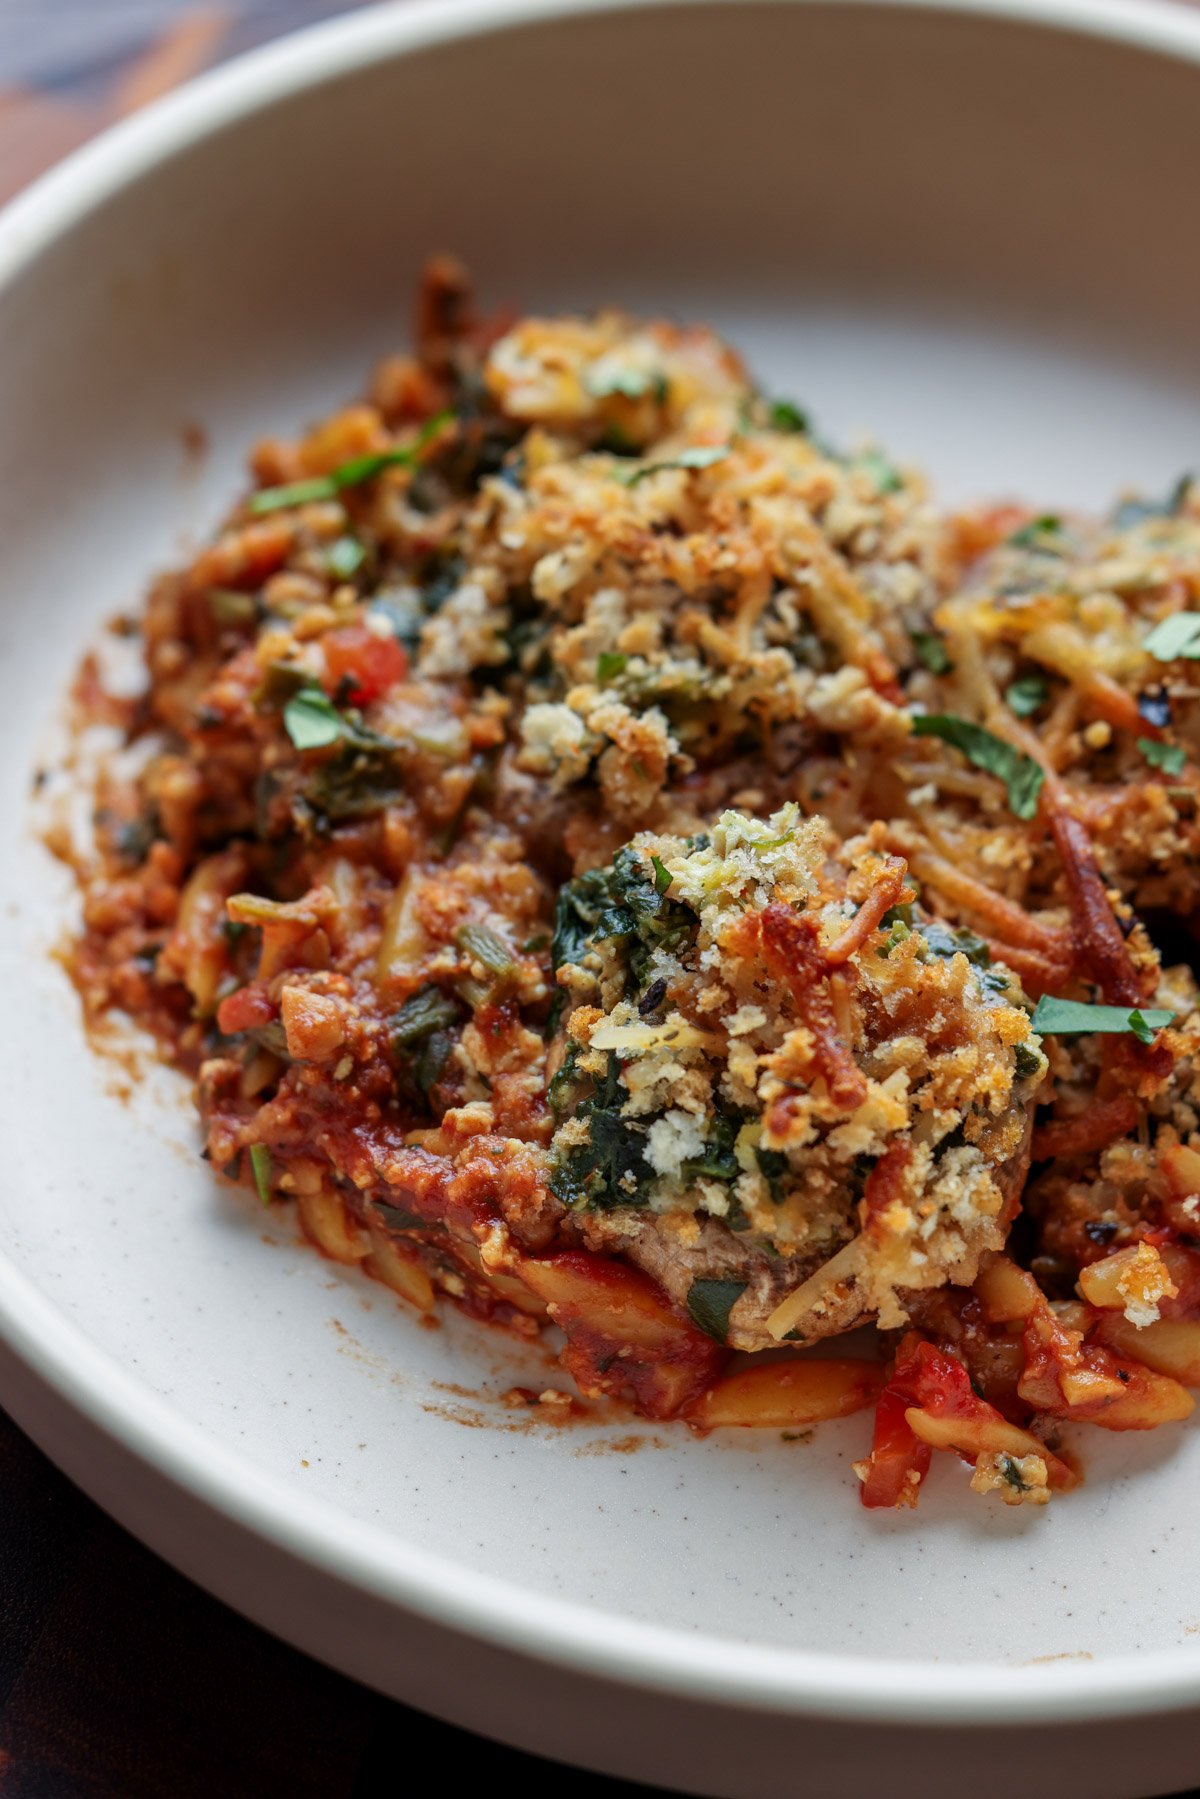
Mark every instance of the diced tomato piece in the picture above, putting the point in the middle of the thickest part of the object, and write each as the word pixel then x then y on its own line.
pixel 899 1461
pixel 248 1009
pixel 360 667
pixel 926 1377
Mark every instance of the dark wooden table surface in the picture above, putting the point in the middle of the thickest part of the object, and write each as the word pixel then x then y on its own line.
pixel 121 1680
pixel 118 1678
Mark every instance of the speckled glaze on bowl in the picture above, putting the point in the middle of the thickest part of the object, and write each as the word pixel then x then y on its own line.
pixel 968 229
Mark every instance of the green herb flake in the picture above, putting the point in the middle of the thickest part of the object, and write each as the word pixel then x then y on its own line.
pixel 344 557
pixel 1075 1018
pixel 1034 534
pixel 311 720
pixel 941 941
pixel 1021 775
pixel 609 664
pixel 698 456
pixel 710 1303
pixel 1028 1061
pixel 931 652
pixel 662 874
pixel 260 1166
pixel 631 384
pixel 1170 757
pixel 1174 637
pixel 1026 694
pixel 783 415
pixel 884 475
pixel 348 474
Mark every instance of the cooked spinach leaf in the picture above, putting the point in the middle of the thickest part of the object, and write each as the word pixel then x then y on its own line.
pixel 710 1303
pixel 610 1169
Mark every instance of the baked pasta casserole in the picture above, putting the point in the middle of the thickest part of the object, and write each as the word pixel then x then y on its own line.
pixel 616 862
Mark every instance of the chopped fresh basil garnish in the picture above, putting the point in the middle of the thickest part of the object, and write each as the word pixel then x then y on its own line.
pixel 349 474
pixel 931 651
pixel 633 384
pixel 1170 757
pixel 662 874
pixel 311 719
pixel 885 475
pixel 260 1164
pixel 697 456
pixel 1021 775
pixel 1026 694
pixel 609 664
pixel 710 1303
pixel 782 415
pixel 1176 636
pixel 1040 534
pixel 1075 1018
pixel 344 557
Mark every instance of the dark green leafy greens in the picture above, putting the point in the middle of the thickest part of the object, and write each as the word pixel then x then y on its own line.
pixel 710 1303
pixel 425 1011
pixel 718 1161
pixel 610 1169
pixel 620 902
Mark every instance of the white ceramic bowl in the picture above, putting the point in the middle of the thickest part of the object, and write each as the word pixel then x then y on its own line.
pixel 972 230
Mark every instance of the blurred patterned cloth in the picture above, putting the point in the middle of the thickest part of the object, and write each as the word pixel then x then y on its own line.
pixel 70 67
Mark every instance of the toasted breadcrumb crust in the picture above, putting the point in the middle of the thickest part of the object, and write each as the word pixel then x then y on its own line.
pixel 598 851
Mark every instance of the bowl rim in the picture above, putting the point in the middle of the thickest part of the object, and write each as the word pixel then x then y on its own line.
pixel 712 1669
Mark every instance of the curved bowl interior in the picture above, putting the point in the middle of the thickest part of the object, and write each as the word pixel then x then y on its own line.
pixel 970 235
